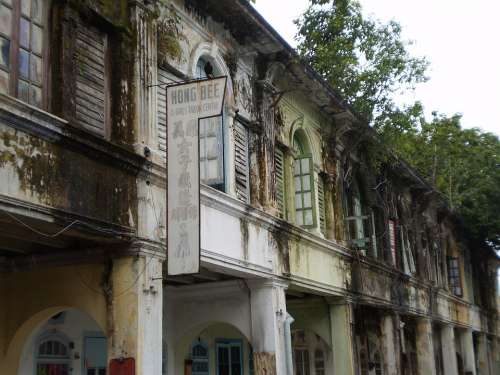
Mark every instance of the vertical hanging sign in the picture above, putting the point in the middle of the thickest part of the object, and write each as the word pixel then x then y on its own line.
pixel 187 103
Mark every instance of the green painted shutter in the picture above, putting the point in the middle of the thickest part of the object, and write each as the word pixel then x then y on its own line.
pixel 280 181
pixel 163 79
pixel 321 205
pixel 91 89
pixel 241 161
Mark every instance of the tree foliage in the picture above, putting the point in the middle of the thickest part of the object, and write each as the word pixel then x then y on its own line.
pixel 368 62
pixel 463 164
pixel 365 60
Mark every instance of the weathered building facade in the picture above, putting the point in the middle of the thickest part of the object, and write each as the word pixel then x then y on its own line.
pixel 317 256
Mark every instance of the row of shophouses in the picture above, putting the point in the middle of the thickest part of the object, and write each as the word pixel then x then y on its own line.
pixel 315 258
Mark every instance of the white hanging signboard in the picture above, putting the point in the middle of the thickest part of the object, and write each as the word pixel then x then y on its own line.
pixel 187 103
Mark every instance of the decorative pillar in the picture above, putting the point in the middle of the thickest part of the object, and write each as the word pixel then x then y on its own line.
pixel 495 355
pixel 268 309
pixel 449 350
pixel 265 146
pixel 341 324
pixel 467 343
pixel 390 349
pixel 145 80
pixel 134 308
pixel 425 348
pixel 329 191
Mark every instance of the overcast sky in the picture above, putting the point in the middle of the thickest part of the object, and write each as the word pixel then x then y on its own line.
pixel 460 38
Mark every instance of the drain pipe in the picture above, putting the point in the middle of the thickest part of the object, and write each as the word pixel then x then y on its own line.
pixel 288 343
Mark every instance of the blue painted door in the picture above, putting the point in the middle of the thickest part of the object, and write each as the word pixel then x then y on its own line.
pixel 95 356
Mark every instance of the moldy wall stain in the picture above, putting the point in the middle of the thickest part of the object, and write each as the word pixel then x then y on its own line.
pixel 67 180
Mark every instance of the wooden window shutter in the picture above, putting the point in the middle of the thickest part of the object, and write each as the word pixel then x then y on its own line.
pixel 163 79
pixel 321 204
pixel 241 161
pixel 280 181
pixel 92 75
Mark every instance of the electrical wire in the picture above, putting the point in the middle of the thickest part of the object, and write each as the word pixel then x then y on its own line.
pixel 66 228
pixel 150 193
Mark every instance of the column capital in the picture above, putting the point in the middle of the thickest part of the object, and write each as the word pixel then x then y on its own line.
pixel 339 301
pixel 254 284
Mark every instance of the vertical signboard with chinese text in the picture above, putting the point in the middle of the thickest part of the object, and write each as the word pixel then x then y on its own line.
pixel 186 104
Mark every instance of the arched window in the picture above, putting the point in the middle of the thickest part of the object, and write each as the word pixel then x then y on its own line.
pixel 303 175
pixel 52 355
pixel 211 142
pixel 199 356
pixel 22 53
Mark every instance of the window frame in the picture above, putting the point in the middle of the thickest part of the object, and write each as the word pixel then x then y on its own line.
pixel 199 358
pixel 319 370
pixel 200 74
pixel 222 185
pixel 229 343
pixel 363 221
pixel 454 280
pixel 311 190
pixel 14 52
pixel 305 361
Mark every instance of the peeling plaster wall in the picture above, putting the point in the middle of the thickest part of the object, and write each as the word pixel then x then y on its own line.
pixel 318 264
pixel 211 311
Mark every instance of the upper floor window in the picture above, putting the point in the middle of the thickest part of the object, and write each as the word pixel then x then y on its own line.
pixel 360 221
pixel 211 142
pixel 454 276
pixel 303 176
pixel 22 49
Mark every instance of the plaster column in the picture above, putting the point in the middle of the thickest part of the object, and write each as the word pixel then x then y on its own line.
pixel 495 355
pixel 268 314
pixel 145 90
pixel 390 350
pixel 329 192
pixel 467 343
pixel 482 354
pixel 425 348
pixel 134 309
pixel 341 325
pixel 449 350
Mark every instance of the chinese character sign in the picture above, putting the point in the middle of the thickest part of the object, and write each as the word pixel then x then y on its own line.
pixel 186 105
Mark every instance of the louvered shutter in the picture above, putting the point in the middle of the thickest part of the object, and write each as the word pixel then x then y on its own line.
pixel 321 204
pixel 241 161
pixel 91 101
pixel 280 181
pixel 163 78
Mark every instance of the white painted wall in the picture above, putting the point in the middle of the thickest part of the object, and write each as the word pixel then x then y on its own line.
pixel 192 310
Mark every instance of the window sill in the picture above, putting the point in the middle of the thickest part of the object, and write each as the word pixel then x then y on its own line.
pixel 36 122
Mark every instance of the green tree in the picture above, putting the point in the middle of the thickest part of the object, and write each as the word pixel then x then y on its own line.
pixel 463 164
pixel 365 60
pixel 368 63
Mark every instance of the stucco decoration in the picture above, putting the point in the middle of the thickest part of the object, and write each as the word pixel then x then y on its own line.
pixel 313 146
pixel 210 51
pixel 275 71
pixel 244 95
